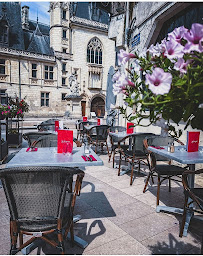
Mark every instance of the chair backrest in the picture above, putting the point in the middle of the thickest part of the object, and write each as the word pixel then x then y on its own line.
pixel 33 136
pixel 102 132
pixel 47 125
pixel 157 141
pixel 47 141
pixel 118 128
pixel 137 141
pixel 35 193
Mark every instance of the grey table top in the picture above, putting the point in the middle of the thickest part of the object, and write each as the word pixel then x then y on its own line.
pixel 50 157
pixel 181 155
pixel 120 135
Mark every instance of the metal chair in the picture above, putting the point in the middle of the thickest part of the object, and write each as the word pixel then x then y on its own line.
pixel 33 136
pixel 135 153
pixel 36 197
pixel 115 144
pixel 100 138
pixel 162 171
pixel 47 125
pixel 195 195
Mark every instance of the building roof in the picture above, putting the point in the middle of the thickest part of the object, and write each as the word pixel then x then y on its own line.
pixel 8 9
pixel 85 10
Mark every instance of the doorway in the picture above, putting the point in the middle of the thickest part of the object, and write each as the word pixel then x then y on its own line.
pixel 98 106
pixel 83 107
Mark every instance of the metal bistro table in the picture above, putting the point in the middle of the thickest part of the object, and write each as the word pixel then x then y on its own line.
pixel 182 156
pixel 50 157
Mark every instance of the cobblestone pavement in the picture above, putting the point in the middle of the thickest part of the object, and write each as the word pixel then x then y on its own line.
pixel 119 219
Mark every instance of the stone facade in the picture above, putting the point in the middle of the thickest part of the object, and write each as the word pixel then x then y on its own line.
pixel 65 55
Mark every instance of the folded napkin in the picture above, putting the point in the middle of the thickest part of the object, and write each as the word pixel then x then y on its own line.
pixel 31 149
pixel 90 156
pixel 157 147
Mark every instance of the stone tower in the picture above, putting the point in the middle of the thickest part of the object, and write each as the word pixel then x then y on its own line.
pixel 59 26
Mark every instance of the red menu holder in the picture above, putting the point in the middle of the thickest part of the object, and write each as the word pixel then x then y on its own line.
pixel 65 140
pixel 98 121
pixel 129 128
pixel 56 126
pixel 84 118
pixel 193 141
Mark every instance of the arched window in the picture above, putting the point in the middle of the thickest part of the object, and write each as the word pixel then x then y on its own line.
pixel 94 51
pixel 4 32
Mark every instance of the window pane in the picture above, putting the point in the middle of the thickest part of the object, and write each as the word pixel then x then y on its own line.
pixel 2 61
pixel 64 67
pixel 2 69
pixel 42 94
pixel 47 102
pixel 63 80
pixel 42 102
pixel 92 56
pixel 51 75
pixel 64 14
pixel 100 57
pixel 96 57
pixel 88 55
pixel 47 95
pixel 46 75
pixel 46 67
pixel 64 50
pixel 34 66
pixel 51 68
pixel 63 96
pixel 34 73
pixel 64 33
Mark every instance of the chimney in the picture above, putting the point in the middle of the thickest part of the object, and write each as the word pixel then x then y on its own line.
pixel 25 17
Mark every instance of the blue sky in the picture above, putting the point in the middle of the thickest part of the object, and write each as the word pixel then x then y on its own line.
pixel 40 7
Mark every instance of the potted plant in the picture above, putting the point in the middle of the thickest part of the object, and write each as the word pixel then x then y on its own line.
pixel 4 111
pixel 170 88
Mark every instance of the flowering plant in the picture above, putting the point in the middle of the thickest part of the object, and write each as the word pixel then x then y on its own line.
pixel 18 107
pixel 4 110
pixel 171 83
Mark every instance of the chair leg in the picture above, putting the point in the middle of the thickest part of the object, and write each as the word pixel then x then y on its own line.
pixel 146 183
pixel 158 190
pixel 138 166
pixel 119 168
pixel 71 234
pixel 14 236
pixel 169 184
pixel 107 147
pixel 110 154
pixel 131 176
pixel 184 217
pixel 60 237
pixel 113 158
pixel 21 238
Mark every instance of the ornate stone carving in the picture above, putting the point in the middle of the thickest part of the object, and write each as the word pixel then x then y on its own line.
pixel 74 86
pixel 89 22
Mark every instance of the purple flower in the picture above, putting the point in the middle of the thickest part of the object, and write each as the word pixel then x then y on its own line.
pixel 123 57
pixel 194 38
pixel 173 49
pixel 155 50
pixel 121 83
pixel 116 76
pixel 181 65
pixel 159 81
pixel 177 34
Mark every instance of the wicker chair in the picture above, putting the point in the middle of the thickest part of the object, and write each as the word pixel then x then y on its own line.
pixel 162 171
pixel 33 136
pixel 196 196
pixel 81 130
pixel 36 197
pixel 138 153
pixel 100 137
pixel 115 144
pixel 48 125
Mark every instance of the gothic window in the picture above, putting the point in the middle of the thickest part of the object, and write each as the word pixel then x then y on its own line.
pixel 94 51
pixel 45 99
pixel 2 67
pixel 64 14
pixel 4 31
pixel 64 33
pixel 49 72
pixel 34 70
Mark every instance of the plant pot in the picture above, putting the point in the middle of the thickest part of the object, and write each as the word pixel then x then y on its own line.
pixel 14 139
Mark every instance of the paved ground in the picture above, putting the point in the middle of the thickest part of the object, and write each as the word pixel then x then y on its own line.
pixel 119 219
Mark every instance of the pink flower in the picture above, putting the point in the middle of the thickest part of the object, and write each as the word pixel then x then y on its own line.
pixel 181 65
pixel 2 112
pixel 177 34
pixel 116 76
pixel 173 49
pixel 155 50
pixel 123 57
pixel 121 83
pixel 194 38
pixel 159 81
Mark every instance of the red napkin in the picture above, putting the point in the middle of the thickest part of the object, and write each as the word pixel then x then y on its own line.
pixel 34 149
pixel 27 149
pixel 91 156
pixel 157 147
pixel 84 158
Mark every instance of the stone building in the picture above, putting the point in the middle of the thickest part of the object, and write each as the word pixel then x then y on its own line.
pixel 59 68
pixel 134 26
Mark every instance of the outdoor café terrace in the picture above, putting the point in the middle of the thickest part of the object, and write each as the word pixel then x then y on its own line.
pixel 112 217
